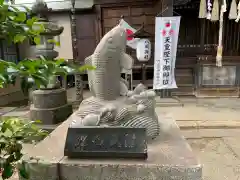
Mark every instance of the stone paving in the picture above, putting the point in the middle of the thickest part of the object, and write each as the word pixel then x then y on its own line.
pixel 212 127
pixel 220 156
pixel 220 161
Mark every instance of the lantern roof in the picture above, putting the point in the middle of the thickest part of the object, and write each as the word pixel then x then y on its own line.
pixel 141 33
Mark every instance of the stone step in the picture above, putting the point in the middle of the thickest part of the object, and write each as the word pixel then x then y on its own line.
pixel 17 113
pixel 210 133
pixel 48 128
pixel 211 124
pixel 167 102
pixel 4 110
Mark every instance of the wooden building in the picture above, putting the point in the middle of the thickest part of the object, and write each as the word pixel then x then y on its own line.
pixel 196 71
pixel 10 93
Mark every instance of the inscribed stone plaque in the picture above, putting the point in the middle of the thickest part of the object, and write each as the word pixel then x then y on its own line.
pixel 215 76
pixel 111 142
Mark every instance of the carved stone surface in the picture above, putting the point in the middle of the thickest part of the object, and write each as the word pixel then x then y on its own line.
pixel 49 98
pixel 112 104
pixel 52 115
pixel 50 106
pixel 51 54
pixel 106 142
pixel 109 58
pixel 169 158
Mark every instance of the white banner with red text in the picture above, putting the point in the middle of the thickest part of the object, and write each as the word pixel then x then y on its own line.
pixel 166 40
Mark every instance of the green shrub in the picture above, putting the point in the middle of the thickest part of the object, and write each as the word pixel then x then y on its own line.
pixel 14 132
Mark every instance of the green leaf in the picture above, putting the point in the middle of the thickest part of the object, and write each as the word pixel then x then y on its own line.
pixel 59 61
pixel 11 146
pixel 1 2
pixel 37 40
pixel 23 173
pixel 7 171
pixel 24 86
pixel 3 127
pixel 2 78
pixel 61 72
pixel 38 121
pixel 57 43
pixel 86 67
pixel 3 16
pixel 37 28
pixel 53 41
pixel 13 8
pixel 50 67
pixel 5 8
pixel 40 80
pixel 21 17
pixel 30 22
pixel 11 15
pixel 22 169
pixel 26 8
pixel 42 28
pixel 29 66
pixel 19 38
pixel 10 158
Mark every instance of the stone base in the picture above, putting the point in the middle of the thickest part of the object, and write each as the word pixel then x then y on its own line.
pixel 51 116
pixel 169 158
pixel 49 98
pixel 50 106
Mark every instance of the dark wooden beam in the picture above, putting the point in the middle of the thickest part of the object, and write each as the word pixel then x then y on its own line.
pixel 118 1
pixel 78 78
pixel 167 8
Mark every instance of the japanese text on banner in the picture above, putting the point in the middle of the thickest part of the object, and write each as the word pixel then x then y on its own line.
pixel 167 60
pixel 166 39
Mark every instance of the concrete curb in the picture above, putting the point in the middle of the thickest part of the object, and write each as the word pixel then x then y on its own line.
pixel 210 133
pixel 205 124
pixel 5 110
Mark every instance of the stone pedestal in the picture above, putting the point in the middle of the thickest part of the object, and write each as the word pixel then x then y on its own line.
pixel 50 106
pixel 51 54
pixel 169 158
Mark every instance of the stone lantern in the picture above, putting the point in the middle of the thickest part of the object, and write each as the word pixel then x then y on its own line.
pixel 50 103
pixel 52 29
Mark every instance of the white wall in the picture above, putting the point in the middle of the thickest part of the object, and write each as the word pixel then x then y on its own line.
pixel 65 48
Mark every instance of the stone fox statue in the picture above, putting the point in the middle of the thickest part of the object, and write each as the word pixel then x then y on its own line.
pixel 112 104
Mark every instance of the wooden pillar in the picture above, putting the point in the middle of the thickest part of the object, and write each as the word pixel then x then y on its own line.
pixel 78 78
pixel 167 11
pixel 198 67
